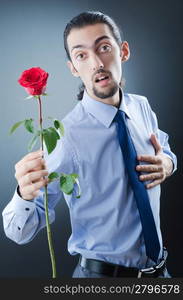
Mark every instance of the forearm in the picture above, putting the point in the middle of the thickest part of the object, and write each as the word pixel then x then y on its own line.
pixel 23 219
pixel 15 219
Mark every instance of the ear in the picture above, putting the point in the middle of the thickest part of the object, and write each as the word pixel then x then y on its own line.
pixel 124 51
pixel 72 69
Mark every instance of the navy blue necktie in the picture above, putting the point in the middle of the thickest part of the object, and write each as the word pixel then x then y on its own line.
pixel 130 158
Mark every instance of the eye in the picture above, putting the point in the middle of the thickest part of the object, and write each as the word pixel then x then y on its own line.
pixel 105 48
pixel 80 56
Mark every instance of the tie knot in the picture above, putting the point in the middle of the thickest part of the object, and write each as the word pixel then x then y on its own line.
pixel 120 116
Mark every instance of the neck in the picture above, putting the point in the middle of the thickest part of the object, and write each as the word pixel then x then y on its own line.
pixel 114 100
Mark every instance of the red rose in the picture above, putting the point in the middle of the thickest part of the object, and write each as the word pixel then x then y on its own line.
pixel 34 81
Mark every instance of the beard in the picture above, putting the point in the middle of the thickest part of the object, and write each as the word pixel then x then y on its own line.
pixel 110 92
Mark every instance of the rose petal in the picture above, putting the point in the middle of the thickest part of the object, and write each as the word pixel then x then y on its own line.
pixel 34 80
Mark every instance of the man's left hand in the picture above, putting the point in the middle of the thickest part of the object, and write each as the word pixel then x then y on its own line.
pixel 159 167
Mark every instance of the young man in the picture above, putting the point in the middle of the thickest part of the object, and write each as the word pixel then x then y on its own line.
pixel 113 142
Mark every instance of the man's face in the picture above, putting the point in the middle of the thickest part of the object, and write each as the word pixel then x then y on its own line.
pixel 96 58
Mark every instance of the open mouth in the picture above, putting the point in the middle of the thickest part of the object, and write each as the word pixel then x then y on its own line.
pixel 101 78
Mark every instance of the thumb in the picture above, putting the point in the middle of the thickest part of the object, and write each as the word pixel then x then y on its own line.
pixel 155 143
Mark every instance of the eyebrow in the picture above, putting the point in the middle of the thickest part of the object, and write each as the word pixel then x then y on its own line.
pixel 95 43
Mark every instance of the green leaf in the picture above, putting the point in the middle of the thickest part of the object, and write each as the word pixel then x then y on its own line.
pixel 74 176
pixel 66 184
pixel 53 175
pixel 58 125
pixel 54 132
pixel 61 129
pixel 28 125
pixel 33 141
pixel 50 136
pixel 15 126
pixel 44 94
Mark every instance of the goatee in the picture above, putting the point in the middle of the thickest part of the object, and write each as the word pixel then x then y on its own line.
pixel 107 94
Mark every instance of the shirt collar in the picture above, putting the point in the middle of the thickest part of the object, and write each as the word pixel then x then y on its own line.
pixel 103 112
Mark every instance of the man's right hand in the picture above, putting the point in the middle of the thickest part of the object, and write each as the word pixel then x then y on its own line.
pixel 30 172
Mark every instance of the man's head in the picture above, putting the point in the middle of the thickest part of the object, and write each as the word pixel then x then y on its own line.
pixel 95 51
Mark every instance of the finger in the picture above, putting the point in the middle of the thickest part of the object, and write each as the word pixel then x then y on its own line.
pixel 155 143
pixel 154 183
pixel 30 197
pixel 32 177
pixel 151 176
pixel 150 158
pixel 41 166
pixel 29 166
pixel 30 189
pixel 148 168
pixel 30 156
pixel 29 160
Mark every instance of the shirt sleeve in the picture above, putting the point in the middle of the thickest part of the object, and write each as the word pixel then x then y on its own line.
pixel 23 219
pixel 163 138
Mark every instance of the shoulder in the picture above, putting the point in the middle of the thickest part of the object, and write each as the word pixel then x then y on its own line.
pixel 72 122
pixel 74 116
pixel 137 103
pixel 65 148
pixel 135 99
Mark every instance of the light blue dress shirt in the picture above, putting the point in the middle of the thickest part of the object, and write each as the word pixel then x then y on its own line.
pixel 105 220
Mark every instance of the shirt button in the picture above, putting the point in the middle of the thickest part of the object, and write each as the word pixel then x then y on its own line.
pixel 27 208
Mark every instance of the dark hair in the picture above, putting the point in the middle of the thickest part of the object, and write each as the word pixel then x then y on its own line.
pixel 90 18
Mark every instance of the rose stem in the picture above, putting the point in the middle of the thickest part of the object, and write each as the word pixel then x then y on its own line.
pixel 49 235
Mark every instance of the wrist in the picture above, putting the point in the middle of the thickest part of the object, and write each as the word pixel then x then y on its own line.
pixel 19 193
pixel 168 165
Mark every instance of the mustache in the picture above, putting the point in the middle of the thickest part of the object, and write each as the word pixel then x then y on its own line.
pixel 108 73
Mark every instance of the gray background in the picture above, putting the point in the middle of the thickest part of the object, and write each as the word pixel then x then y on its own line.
pixel 31 35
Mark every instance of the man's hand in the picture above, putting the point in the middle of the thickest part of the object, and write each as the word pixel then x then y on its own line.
pixel 159 167
pixel 30 173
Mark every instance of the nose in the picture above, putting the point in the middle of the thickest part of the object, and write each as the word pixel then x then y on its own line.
pixel 96 63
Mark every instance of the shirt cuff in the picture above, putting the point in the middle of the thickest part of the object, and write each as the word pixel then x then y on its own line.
pixel 19 205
